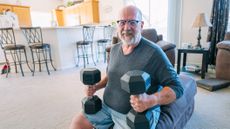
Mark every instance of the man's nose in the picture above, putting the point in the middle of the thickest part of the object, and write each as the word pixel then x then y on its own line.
pixel 127 26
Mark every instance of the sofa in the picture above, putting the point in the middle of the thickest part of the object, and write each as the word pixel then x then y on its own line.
pixel 176 114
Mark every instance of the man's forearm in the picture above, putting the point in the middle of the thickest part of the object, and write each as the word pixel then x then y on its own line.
pixel 165 96
pixel 102 83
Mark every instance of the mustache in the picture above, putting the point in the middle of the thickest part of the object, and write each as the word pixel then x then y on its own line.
pixel 127 32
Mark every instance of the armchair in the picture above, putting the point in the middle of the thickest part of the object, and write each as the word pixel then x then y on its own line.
pixel 222 59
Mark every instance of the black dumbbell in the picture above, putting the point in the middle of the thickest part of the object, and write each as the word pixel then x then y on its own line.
pixel 90 76
pixel 136 82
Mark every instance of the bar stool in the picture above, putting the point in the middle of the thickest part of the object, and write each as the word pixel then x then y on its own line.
pixel 105 41
pixel 40 51
pixel 9 47
pixel 85 45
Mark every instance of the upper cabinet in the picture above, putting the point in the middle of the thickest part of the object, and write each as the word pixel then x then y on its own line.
pixel 86 12
pixel 89 12
pixel 5 7
pixel 22 12
pixel 60 17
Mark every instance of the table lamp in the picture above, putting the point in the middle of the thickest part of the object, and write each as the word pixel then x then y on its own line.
pixel 200 21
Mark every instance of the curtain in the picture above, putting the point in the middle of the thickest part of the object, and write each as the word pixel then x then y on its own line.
pixel 219 20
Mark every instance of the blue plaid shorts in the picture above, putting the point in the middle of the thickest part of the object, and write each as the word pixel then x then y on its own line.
pixel 106 117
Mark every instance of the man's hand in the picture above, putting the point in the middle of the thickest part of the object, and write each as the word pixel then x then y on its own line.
pixel 90 90
pixel 143 102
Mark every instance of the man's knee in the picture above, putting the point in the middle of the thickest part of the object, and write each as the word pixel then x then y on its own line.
pixel 80 122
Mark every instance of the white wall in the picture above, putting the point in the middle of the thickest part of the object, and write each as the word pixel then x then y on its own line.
pixel 190 8
pixel 41 11
pixel 109 10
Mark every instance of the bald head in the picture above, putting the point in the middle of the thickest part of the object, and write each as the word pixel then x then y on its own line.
pixel 130 25
pixel 130 12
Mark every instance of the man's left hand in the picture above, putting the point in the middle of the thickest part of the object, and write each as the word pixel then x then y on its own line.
pixel 142 102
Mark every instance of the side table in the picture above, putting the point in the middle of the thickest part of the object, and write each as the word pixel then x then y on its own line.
pixel 204 53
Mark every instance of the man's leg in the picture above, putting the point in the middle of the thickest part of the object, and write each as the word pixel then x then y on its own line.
pixel 153 116
pixel 80 122
pixel 101 120
pixel 119 120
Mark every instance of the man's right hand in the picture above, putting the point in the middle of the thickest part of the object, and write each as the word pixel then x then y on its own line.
pixel 90 90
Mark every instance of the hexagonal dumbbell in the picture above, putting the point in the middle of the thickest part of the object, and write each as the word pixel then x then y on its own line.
pixel 90 76
pixel 136 82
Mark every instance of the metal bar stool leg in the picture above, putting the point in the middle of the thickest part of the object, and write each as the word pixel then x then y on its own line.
pixel 104 53
pixel 78 56
pixel 91 47
pixel 32 53
pixel 38 52
pixel 86 53
pixel 7 61
pixel 14 60
pixel 18 58
pixel 83 55
pixel 51 61
pixel 98 50
pixel 44 53
pixel 27 60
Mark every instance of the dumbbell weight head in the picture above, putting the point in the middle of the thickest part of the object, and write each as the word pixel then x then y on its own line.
pixel 136 82
pixel 90 76
pixel 91 105
pixel 137 120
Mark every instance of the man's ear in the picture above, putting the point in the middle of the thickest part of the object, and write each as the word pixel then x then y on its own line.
pixel 142 24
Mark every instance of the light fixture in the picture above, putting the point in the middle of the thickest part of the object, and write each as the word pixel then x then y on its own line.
pixel 200 21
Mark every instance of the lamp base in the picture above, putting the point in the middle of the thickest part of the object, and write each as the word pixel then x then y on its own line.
pixel 198 46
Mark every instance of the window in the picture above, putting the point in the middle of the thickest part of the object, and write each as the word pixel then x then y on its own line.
pixel 155 14
pixel 228 28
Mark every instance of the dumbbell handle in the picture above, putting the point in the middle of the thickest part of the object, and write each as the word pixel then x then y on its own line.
pixel 93 88
pixel 133 109
pixel 146 109
pixel 90 97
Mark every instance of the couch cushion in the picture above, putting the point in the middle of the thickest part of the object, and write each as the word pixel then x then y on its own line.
pixel 224 45
pixel 171 114
pixel 150 34
pixel 165 46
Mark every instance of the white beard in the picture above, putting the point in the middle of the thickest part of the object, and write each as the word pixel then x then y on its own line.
pixel 133 41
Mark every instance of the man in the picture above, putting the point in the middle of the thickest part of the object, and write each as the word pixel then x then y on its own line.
pixel 133 53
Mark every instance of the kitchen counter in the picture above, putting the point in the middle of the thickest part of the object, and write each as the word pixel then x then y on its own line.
pixel 62 41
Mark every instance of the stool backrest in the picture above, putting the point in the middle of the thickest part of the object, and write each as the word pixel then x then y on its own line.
pixel 88 33
pixel 7 37
pixel 33 34
pixel 108 32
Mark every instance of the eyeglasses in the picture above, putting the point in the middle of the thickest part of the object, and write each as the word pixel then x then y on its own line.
pixel 130 22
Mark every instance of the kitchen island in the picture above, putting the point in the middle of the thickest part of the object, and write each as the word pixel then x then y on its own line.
pixel 63 43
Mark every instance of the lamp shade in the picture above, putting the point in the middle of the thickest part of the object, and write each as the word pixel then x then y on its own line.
pixel 201 21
